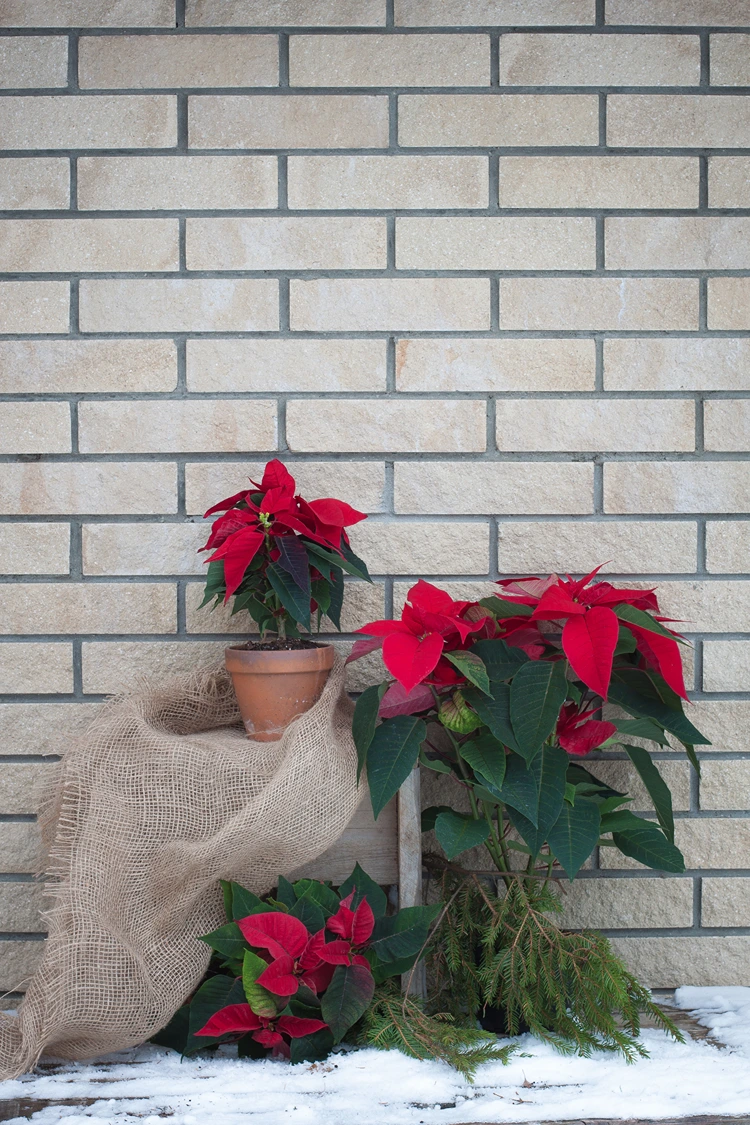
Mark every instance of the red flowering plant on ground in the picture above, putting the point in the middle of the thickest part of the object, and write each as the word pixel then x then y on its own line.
pixel 279 556
pixel 506 696
pixel 293 974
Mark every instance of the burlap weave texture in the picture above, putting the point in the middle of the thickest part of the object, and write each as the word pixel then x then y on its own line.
pixel 161 798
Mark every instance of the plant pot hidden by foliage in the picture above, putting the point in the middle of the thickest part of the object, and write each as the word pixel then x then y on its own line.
pixel 503 697
pixel 295 974
pixel 282 560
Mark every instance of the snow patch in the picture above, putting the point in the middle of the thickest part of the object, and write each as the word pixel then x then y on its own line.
pixel 369 1087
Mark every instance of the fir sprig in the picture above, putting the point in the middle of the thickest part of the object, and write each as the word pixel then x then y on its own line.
pixel 398 1022
pixel 568 988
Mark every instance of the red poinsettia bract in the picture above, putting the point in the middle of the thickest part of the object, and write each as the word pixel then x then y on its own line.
pixel 249 523
pixel 431 622
pixel 578 733
pixel 295 953
pixel 591 626
pixel 239 1019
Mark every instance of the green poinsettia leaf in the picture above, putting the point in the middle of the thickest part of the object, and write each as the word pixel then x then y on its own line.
pixel 392 755
pixel 262 1002
pixel 472 667
pixel 457 832
pixel 347 998
pixel 574 836
pixel 456 715
pixel 537 693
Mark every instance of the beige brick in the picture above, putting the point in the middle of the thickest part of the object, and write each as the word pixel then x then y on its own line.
pixel 153 61
pixel 674 487
pixel 21 905
pixel 33 62
pixel 727 423
pixel 87 13
pixel 36 668
pixel 594 425
pixel 677 244
pixel 670 962
pixel 422 548
pixel 110 667
pixel 36 548
pixel 727 546
pixel 135 121
pixel 725 902
pixel 88 245
pixel 23 787
pixel 362 603
pixel 291 121
pixel 285 365
pixel 389 60
pixel 489 488
pixel 729 302
pixel 386 426
pixel 18 959
pixel 97 488
pixel 431 304
pixel 359 483
pixel 34 306
pixel 388 181
pixel 679 120
pixel 707 843
pixel 34 427
pixel 508 243
pixel 176 426
pixel 88 607
pixel 725 785
pixel 494 365
pixel 179 305
pixel 143 548
pixel 576 548
pixel 726 666
pixel 677 364
pixel 599 60
pixel 686 13
pixel 599 181
pixel 113 183
pixel 475 13
pixel 627 904
pixel 20 848
pixel 624 303
pixel 286 243
pixel 285 13
pixel 480 120
pixel 35 182
pixel 730 60
pixel 725 721
pixel 43 728
pixel 729 181
pixel 78 366
pixel 623 777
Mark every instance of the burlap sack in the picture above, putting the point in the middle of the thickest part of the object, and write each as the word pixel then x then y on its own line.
pixel 162 797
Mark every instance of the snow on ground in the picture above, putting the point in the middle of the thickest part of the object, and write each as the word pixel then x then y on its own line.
pixel 368 1087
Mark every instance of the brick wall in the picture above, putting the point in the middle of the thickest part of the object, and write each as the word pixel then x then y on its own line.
pixel 476 266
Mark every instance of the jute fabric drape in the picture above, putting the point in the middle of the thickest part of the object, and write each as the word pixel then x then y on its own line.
pixel 161 798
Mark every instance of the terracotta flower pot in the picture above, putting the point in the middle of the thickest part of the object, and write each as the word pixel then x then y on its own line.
pixel 272 688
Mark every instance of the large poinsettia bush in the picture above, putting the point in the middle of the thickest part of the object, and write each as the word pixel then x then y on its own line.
pixel 280 557
pixel 505 697
pixel 293 973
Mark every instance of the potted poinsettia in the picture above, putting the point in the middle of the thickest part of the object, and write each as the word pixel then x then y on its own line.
pixel 504 698
pixel 281 559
